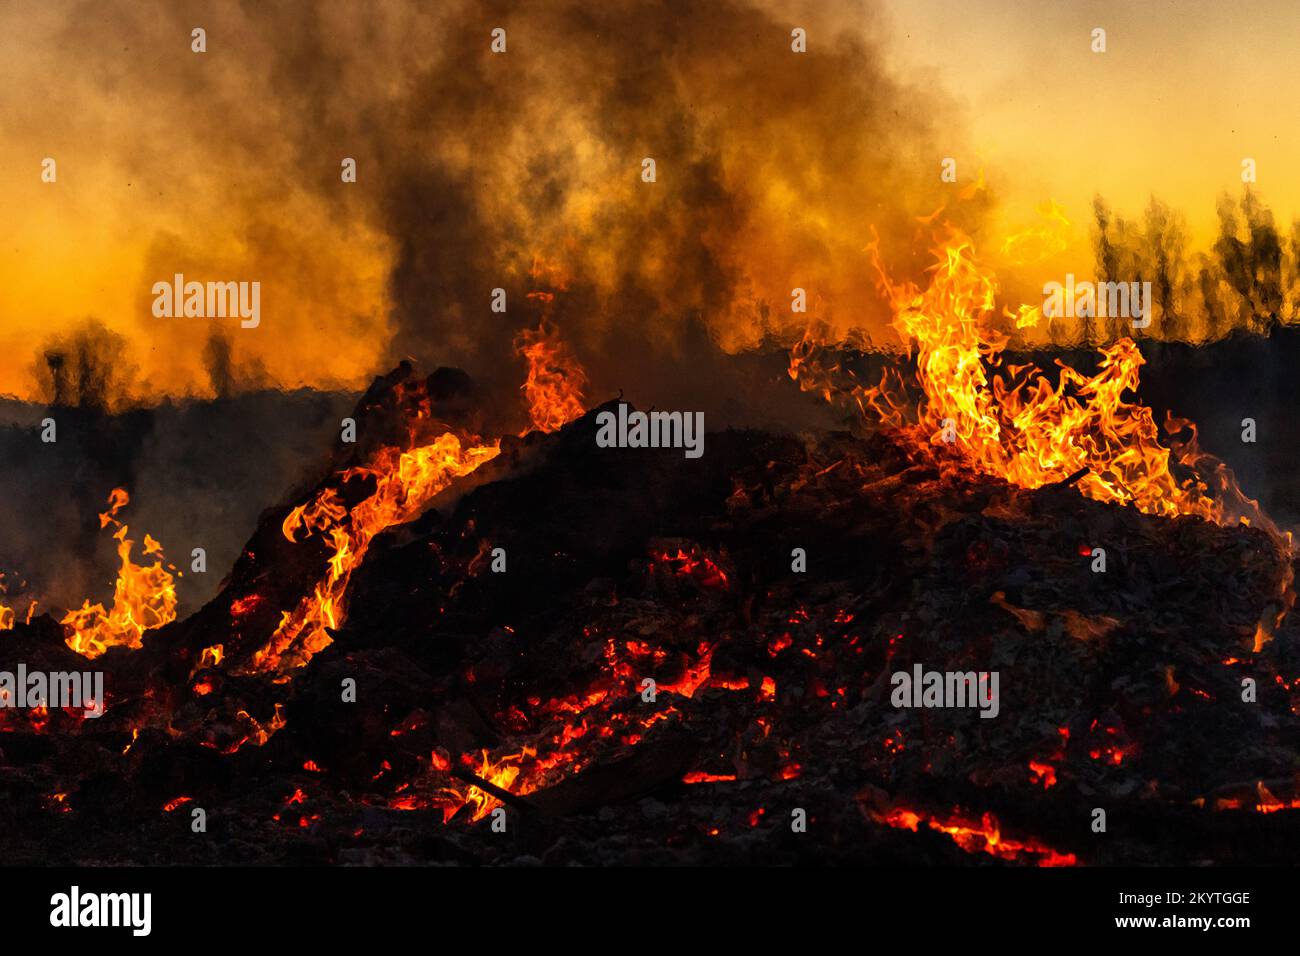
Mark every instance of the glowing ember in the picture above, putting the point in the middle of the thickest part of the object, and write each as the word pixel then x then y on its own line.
pixel 693 563
pixel 980 836
pixel 7 615
pixel 1043 773
pixel 699 776
pixel 1271 804
pixel 241 606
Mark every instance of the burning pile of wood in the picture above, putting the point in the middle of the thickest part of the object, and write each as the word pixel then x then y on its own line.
pixel 574 654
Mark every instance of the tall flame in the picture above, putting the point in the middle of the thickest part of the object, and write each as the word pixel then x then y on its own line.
pixel 143 598
pixel 555 380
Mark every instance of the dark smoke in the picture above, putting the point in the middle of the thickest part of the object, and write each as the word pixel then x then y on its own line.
pixel 521 171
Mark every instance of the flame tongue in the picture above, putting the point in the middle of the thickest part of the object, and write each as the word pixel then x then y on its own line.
pixel 405 481
pixel 1027 431
pixel 143 598
pixel 555 380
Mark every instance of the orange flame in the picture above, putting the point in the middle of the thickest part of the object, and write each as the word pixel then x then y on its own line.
pixel 143 598
pixel 502 773
pixel 8 615
pixel 555 379
pixel 1011 421
pixel 405 481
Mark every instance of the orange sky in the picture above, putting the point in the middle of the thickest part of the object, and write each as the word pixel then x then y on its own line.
pixel 1185 90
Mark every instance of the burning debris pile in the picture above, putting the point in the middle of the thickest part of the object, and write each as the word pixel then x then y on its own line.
pixel 620 659
pixel 1004 624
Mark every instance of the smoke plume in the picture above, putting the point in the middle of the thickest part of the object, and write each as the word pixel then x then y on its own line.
pixel 520 170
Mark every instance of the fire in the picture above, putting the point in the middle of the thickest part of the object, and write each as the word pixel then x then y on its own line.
pixel 502 773
pixel 255 731
pixel 1268 803
pixel 555 380
pixel 144 596
pixel 9 613
pixel 405 481
pixel 1011 421
pixel 1263 801
pixel 699 776
pixel 566 729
